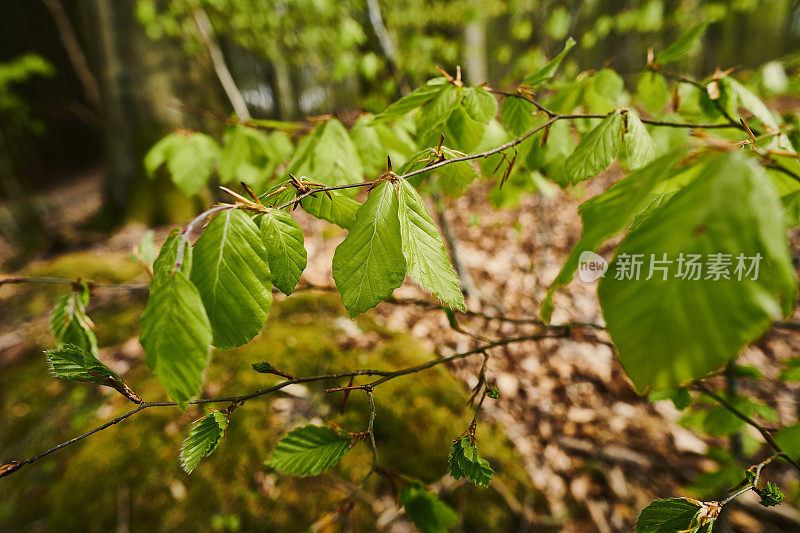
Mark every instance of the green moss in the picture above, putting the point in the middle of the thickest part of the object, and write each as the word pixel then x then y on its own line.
pixel 135 464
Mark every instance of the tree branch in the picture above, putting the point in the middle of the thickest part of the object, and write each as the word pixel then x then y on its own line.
pixel 743 417
pixel 218 59
pixel 386 375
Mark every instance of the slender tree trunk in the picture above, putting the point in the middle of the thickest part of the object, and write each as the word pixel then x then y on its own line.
pixel 140 81
pixel 475 48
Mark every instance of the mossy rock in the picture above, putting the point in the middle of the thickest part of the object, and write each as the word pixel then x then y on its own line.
pixel 132 469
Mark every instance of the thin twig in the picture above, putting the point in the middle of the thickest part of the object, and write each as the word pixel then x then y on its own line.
pixel 386 376
pixel 743 417
pixel 188 229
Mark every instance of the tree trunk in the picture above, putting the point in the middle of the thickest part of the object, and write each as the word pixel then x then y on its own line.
pixel 140 82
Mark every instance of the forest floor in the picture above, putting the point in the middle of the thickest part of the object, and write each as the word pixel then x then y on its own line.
pixel 593 451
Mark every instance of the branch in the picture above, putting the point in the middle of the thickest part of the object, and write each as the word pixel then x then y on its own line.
pixel 386 375
pixel 188 229
pixel 72 46
pixel 218 59
pixel 741 416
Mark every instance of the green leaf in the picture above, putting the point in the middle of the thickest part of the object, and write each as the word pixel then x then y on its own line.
pixel 308 451
pixel 249 156
pixel 165 262
pixel 69 322
pixel 719 421
pixel 597 150
pixel 753 104
pixel 668 330
pixel 161 152
pixel 549 70
pixel 427 512
pixel 681 48
pixel 465 462
pixel 332 206
pixel 335 160
pixel 609 213
pixel 419 97
pixel 74 363
pixel 639 146
pixel 461 131
pixel 431 119
pixel 518 115
pixel 479 104
pixel 328 156
pixel 371 151
pixel 146 249
pixel 671 516
pixel 453 177
pixel 791 372
pixel 680 397
pixel 653 92
pixel 426 256
pixel 203 439
pixel 283 239
pixel 369 264
pixel 191 162
pixel 176 334
pixel 771 495
pixel 232 276
pixel 788 438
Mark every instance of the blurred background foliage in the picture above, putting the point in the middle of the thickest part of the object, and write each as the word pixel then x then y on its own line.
pixel 123 73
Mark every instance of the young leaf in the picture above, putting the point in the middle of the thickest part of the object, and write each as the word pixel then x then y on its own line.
pixel 249 156
pixel 518 115
pixel 165 262
pixel 465 462
pixel 788 438
pixel 161 152
pixel 369 264
pixel 683 46
pixel 335 160
pixel 308 451
pixel 232 276
pixel 418 98
pixel 731 208
pixel 672 515
pixel 431 119
pixel 69 322
pixel 283 239
pixel 549 70
pixel 176 334
pixel 428 513
pixel 597 150
pixel 74 363
pixel 146 250
pixel 771 495
pixel 203 439
pixel 332 206
pixel 189 157
pixel 328 156
pixel 753 104
pixel 453 178
pixel 653 92
pixel 680 397
pixel 639 146
pixel 479 104
pixel 425 253
pixel 609 213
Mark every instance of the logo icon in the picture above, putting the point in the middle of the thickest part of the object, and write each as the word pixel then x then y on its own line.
pixel 591 266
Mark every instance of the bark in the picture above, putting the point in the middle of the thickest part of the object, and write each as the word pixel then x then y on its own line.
pixel 140 82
